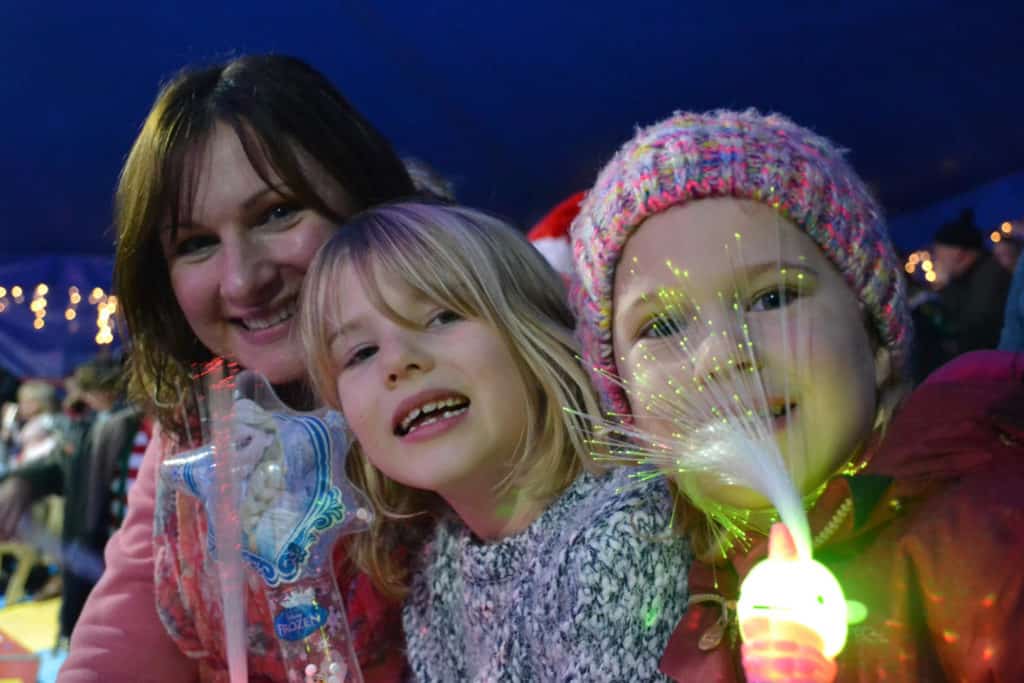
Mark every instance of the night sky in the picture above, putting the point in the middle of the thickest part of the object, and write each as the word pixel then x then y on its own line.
pixel 520 103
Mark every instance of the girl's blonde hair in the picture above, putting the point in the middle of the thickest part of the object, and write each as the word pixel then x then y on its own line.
pixel 483 269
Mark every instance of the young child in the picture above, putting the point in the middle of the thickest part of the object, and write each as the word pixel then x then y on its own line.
pixel 919 516
pixel 445 340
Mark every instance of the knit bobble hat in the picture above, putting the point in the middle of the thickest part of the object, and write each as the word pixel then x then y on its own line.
pixel 745 155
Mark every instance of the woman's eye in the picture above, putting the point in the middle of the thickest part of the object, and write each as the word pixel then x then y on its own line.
pixel 359 355
pixel 773 299
pixel 192 245
pixel 661 326
pixel 445 317
pixel 280 212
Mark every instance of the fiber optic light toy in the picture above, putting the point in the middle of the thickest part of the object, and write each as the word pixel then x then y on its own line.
pixel 792 616
pixel 276 498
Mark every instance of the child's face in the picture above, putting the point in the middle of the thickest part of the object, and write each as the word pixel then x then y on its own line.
pixel 28 406
pixel 438 405
pixel 810 345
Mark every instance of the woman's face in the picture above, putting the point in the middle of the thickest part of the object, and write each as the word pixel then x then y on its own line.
pixel 238 261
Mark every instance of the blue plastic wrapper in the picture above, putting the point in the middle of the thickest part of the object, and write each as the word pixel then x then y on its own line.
pixel 272 482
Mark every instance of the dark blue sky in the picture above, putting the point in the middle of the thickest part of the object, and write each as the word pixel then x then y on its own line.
pixel 520 103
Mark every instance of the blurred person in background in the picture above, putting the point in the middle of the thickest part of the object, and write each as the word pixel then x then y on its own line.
pixel 931 345
pixel 972 285
pixel 8 430
pixel 9 384
pixel 1012 338
pixel 1007 250
pixel 34 432
pixel 37 430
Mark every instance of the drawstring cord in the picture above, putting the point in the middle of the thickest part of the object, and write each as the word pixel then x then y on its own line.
pixel 711 638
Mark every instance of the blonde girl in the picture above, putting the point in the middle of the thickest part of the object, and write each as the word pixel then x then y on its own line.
pixel 445 340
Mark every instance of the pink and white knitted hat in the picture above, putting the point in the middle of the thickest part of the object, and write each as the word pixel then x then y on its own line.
pixel 745 155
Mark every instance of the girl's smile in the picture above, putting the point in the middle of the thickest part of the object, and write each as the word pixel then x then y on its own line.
pixel 429 413
pixel 435 400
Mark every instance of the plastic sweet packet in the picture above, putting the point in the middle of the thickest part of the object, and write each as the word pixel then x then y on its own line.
pixel 272 482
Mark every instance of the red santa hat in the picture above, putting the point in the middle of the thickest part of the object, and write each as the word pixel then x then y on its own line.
pixel 551 234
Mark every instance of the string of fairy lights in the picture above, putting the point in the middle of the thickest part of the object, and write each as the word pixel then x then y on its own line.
pixel 105 306
pixel 1005 230
pixel 922 259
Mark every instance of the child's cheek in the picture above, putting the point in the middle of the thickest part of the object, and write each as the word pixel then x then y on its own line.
pixel 359 419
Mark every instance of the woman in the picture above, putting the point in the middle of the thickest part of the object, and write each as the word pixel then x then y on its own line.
pixel 241 171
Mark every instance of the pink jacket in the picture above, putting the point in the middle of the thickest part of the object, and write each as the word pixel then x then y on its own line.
pixel 119 636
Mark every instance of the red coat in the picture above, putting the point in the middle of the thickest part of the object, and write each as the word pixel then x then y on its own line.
pixel 934 547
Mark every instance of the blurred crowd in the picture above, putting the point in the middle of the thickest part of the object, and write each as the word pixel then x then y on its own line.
pixel 69 453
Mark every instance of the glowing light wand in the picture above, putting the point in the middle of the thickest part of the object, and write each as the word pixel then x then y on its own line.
pixel 792 616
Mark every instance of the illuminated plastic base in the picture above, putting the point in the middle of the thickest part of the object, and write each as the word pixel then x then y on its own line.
pixel 792 616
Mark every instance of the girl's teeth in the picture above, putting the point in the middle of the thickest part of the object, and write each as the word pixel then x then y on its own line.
pixel 431 420
pixel 428 421
pixel 410 417
pixel 428 408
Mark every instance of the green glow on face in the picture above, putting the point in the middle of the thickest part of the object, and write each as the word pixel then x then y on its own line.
pixel 797 591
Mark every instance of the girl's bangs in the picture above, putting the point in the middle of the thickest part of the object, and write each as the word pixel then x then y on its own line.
pixel 425 262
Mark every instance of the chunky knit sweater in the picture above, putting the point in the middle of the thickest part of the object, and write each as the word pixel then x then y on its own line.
pixel 589 592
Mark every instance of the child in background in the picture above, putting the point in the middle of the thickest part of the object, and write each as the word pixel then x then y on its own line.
pixel 920 515
pixel 445 340
pixel 41 428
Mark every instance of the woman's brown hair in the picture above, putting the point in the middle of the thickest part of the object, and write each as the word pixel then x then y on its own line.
pixel 281 109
